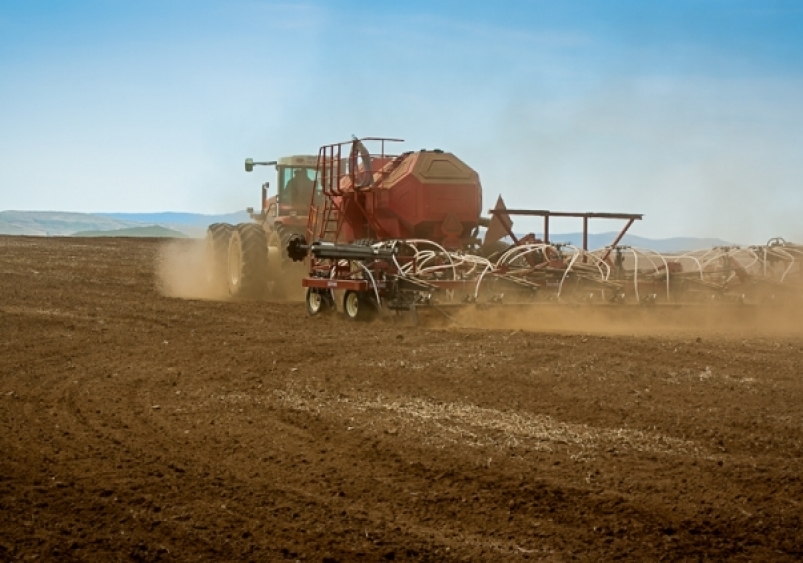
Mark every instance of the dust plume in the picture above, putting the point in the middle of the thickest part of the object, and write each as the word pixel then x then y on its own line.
pixel 727 320
pixel 181 271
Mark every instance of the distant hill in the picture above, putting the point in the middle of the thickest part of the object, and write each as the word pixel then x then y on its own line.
pixel 154 231
pixel 183 219
pixel 56 223
pixel 191 224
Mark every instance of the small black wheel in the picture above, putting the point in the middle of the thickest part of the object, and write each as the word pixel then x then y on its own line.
pixel 318 301
pixel 358 306
pixel 293 248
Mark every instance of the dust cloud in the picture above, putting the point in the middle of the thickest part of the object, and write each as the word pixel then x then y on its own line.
pixel 181 271
pixel 726 320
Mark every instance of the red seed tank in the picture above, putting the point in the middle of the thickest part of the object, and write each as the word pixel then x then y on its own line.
pixel 425 194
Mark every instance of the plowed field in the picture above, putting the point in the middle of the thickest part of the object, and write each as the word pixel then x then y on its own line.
pixel 140 426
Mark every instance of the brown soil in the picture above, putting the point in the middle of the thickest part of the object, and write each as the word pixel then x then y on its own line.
pixel 136 425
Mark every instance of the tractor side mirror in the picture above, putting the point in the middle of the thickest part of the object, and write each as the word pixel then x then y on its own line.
pixel 249 164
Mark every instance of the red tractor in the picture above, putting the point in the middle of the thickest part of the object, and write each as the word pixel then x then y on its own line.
pixel 250 259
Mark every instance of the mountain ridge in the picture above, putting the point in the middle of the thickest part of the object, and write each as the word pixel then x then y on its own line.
pixel 61 223
pixel 66 223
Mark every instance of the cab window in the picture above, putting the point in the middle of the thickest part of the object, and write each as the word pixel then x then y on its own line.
pixel 286 175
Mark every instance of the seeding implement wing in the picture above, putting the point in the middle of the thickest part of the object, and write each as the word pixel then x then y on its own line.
pixel 399 232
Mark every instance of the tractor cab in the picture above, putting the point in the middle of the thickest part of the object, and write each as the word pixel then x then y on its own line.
pixel 295 182
pixel 296 179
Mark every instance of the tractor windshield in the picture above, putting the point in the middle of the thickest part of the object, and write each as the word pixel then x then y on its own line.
pixel 295 186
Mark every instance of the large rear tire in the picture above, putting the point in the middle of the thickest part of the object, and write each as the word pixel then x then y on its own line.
pixel 248 262
pixel 217 254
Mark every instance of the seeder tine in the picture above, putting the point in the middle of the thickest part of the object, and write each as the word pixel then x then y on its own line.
pixel 519 283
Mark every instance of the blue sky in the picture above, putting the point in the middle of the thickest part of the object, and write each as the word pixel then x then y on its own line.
pixel 688 112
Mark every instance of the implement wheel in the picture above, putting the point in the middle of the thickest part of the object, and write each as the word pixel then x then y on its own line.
pixel 358 306
pixel 318 301
pixel 248 262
